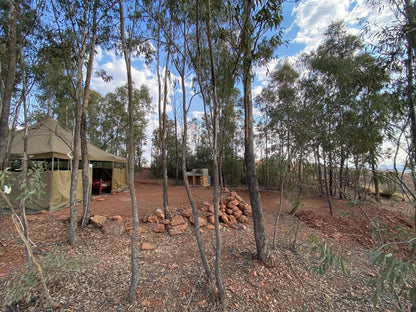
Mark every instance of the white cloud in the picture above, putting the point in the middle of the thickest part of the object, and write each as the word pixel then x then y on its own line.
pixel 314 16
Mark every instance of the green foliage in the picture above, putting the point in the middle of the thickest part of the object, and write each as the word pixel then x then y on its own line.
pixel 25 283
pixel 327 259
pixel 399 275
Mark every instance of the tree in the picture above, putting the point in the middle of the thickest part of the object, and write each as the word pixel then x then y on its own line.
pixel 255 47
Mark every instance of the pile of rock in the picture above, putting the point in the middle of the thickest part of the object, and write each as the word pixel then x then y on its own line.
pixel 232 210
pixel 113 226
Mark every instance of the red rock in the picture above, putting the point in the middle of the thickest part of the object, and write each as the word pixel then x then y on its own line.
pixel 159 214
pixel 148 246
pixel 231 220
pixel 140 231
pixel 229 211
pixel 178 229
pixel 211 219
pixel 224 219
pixel 114 228
pixel 144 218
pixel 243 219
pixel 186 213
pixel 63 218
pixel 237 214
pixel 211 227
pixel 165 221
pixel 177 220
pixel 98 220
pixel 232 203
pixel 157 227
pixel 226 190
pixel 152 219
pixel 248 212
pixel 114 218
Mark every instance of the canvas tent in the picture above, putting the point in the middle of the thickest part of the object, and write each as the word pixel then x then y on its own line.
pixel 49 144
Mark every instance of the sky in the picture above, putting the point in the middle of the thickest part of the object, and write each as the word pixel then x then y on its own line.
pixel 304 24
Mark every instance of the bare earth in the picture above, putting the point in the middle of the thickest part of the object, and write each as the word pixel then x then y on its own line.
pixel 171 275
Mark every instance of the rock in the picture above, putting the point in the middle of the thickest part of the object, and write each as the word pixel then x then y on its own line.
pixel 157 227
pixel 237 214
pixel 148 246
pixel 232 203
pixel 140 231
pixel 98 220
pixel 177 220
pixel 114 228
pixel 229 211
pixel 152 219
pixel 144 218
pixel 202 221
pixel 224 218
pixel 226 190
pixel 248 212
pixel 178 229
pixel 231 220
pixel 159 214
pixel 186 213
pixel 165 221
pixel 64 218
pixel 243 219
pixel 114 218
pixel 211 219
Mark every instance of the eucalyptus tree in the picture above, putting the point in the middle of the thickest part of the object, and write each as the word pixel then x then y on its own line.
pixel 132 41
pixel 256 20
pixel 76 27
pixel 20 34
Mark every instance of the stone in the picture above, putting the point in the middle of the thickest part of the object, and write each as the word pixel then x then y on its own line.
pixel 140 231
pixel 98 220
pixel 226 190
pixel 114 228
pixel 229 211
pixel 232 203
pixel 177 220
pixel 148 246
pixel 157 227
pixel 224 218
pixel 159 214
pixel 211 219
pixel 165 222
pixel 114 218
pixel 144 218
pixel 243 219
pixel 63 218
pixel 152 219
pixel 202 221
pixel 231 220
pixel 237 214
pixel 178 229
pixel 248 212
pixel 186 213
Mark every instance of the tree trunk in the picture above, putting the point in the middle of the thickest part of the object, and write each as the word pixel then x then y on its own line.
pixel 185 178
pixel 134 237
pixel 249 156
pixel 86 186
pixel 278 212
pixel 328 191
pixel 341 176
pixel 9 84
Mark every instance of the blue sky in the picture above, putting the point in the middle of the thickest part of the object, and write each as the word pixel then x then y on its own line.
pixel 304 24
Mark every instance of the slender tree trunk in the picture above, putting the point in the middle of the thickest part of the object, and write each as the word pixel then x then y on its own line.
pixel 86 185
pixel 278 212
pixel 341 176
pixel 319 172
pixel 249 156
pixel 375 180
pixel 134 237
pixel 185 178
pixel 328 191
pixel 9 84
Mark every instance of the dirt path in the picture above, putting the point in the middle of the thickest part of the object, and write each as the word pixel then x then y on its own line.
pixel 172 278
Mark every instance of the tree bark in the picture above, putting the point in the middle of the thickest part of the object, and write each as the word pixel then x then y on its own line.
pixel 134 237
pixel 249 156
pixel 9 84
pixel 86 185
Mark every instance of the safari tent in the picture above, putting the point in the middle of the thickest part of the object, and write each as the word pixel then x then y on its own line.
pixel 50 145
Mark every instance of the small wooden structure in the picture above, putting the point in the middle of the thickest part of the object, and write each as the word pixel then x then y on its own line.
pixel 199 177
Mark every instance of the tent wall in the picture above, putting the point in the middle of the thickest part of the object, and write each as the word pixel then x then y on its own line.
pixel 55 190
pixel 119 180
